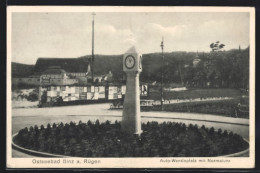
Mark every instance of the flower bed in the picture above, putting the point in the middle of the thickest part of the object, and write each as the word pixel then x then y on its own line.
pixel 107 140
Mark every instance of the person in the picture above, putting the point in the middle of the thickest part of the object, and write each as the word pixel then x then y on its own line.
pixel 237 110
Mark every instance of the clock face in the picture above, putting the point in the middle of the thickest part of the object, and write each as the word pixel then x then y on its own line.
pixel 129 62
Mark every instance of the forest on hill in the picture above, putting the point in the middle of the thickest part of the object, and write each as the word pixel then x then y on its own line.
pixel 219 68
pixel 21 70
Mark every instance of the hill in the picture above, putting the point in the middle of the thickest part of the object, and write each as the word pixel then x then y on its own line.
pixel 103 64
pixel 220 69
pixel 151 64
pixel 226 69
pixel 21 70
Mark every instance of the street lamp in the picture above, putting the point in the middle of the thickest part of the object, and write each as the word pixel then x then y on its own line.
pixel 93 56
pixel 162 62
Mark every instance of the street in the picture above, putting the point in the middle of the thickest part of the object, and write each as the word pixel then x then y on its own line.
pixel 26 117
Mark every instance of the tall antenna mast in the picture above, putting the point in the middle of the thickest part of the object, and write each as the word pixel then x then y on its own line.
pixel 92 58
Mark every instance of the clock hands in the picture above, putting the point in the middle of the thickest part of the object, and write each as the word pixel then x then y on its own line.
pixel 129 62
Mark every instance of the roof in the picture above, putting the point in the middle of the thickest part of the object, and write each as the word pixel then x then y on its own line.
pixel 54 70
pixel 71 65
pixel 131 50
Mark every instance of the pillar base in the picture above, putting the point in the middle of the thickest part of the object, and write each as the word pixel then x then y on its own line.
pixel 138 132
pixel 128 128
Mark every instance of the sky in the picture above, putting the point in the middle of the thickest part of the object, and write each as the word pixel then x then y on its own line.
pixel 68 34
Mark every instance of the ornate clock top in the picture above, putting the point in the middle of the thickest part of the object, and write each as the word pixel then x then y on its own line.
pixel 132 50
pixel 132 60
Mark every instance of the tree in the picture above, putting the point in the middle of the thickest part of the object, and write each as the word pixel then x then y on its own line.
pixel 188 75
pixel 44 97
pixel 33 96
pixel 216 46
pixel 199 76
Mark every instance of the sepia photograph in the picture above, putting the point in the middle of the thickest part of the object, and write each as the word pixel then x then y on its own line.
pixel 130 87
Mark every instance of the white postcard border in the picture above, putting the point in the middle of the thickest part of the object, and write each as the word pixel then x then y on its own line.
pixel 222 162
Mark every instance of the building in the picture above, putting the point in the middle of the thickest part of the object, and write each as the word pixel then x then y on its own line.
pixel 104 78
pixel 57 71
pixel 75 68
pixel 62 71
pixel 54 75
pixel 109 77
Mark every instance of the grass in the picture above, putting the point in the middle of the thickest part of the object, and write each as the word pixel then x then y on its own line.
pixel 219 107
pixel 194 93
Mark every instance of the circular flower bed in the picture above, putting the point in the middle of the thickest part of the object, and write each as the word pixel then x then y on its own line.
pixel 167 139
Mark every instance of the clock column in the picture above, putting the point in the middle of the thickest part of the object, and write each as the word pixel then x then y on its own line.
pixel 131 122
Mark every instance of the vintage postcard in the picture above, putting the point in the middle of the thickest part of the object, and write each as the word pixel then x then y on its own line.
pixel 130 87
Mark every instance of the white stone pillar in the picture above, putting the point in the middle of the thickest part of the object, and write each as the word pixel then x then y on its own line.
pixel 131 122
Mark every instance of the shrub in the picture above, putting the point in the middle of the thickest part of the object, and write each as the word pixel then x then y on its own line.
pixel 33 96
